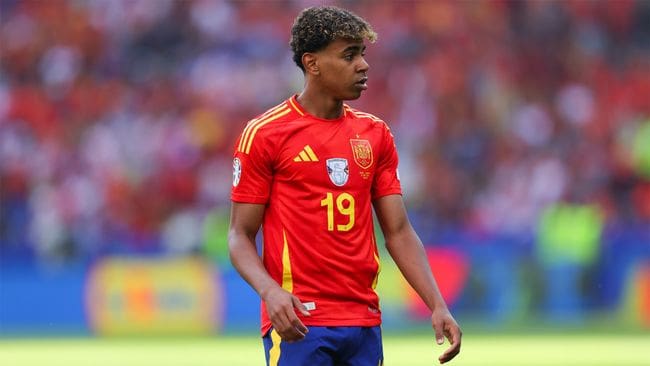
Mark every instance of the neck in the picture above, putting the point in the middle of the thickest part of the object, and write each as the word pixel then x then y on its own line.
pixel 320 105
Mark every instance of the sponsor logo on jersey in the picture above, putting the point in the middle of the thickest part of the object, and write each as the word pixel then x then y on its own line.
pixel 306 154
pixel 362 152
pixel 236 171
pixel 338 170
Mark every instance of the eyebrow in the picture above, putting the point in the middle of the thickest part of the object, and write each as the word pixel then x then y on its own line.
pixel 354 48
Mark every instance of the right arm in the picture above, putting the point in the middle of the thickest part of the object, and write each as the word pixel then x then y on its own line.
pixel 245 221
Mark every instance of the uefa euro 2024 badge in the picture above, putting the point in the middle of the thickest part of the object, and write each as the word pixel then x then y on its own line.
pixel 236 171
pixel 338 170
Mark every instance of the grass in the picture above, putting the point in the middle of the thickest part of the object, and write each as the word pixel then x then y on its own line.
pixel 478 349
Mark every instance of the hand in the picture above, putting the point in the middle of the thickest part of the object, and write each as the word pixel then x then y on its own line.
pixel 280 306
pixel 444 325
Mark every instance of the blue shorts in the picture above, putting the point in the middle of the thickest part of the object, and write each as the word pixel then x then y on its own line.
pixel 327 346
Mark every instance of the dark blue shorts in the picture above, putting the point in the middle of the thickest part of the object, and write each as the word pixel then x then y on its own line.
pixel 327 346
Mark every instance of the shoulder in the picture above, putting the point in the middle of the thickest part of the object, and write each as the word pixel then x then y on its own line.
pixel 365 116
pixel 282 112
pixel 271 121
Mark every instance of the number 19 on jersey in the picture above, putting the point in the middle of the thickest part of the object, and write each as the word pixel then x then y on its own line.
pixel 344 205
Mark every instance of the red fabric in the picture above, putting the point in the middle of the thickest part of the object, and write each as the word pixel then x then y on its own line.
pixel 332 267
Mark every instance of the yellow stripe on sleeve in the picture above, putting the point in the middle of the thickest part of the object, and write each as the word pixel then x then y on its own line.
pixel 250 126
pixel 368 115
pixel 261 123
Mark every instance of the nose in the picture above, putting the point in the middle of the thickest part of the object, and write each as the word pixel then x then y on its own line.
pixel 363 65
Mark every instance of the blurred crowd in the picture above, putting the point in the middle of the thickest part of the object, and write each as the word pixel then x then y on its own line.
pixel 118 117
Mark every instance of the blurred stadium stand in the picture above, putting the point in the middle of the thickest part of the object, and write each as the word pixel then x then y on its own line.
pixel 523 129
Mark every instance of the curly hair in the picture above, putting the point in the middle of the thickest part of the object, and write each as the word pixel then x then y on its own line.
pixel 316 27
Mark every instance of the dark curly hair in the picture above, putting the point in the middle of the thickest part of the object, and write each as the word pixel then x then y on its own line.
pixel 316 27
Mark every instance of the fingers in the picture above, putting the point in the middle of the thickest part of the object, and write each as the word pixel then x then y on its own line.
pixel 300 328
pixel 294 319
pixel 300 306
pixel 450 353
pixel 286 322
pixel 454 335
pixel 290 330
pixel 438 328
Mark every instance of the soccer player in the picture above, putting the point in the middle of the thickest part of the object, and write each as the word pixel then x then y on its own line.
pixel 309 171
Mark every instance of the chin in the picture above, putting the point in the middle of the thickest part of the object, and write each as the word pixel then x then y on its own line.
pixel 352 96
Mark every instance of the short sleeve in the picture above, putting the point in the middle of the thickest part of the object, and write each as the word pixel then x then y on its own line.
pixel 252 174
pixel 386 180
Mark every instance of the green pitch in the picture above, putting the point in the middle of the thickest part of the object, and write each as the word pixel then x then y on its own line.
pixel 502 350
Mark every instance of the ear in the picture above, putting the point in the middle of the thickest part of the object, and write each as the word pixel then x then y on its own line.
pixel 310 63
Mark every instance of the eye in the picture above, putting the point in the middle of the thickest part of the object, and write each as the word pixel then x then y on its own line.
pixel 348 57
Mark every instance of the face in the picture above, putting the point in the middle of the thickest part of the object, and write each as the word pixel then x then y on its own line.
pixel 342 69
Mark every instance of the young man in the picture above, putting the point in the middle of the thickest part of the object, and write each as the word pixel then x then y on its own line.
pixel 308 172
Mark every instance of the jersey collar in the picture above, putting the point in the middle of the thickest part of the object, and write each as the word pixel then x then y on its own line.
pixel 293 104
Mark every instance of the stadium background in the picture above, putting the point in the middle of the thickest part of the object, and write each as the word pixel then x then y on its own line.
pixel 523 129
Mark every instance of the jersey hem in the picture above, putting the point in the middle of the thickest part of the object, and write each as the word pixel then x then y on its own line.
pixel 387 193
pixel 331 323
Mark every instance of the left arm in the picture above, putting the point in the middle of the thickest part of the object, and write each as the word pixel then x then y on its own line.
pixel 406 249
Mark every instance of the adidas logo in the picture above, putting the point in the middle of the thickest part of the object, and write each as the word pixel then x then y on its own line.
pixel 307 154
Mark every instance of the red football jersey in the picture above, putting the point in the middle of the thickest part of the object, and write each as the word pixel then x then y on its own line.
pixel 317 179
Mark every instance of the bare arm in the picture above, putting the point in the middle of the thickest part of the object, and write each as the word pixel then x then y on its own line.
pixel 406 249
pixel 245 221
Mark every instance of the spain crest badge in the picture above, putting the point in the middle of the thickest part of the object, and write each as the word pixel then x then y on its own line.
pixel 362 152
